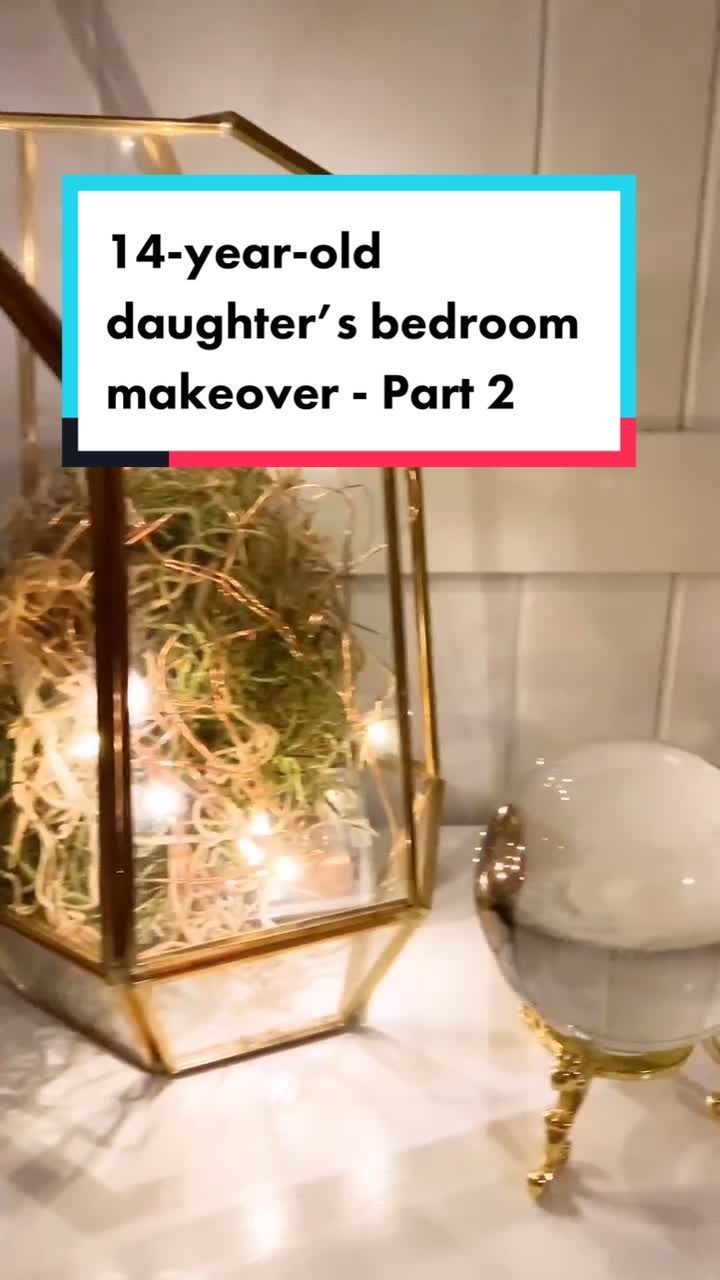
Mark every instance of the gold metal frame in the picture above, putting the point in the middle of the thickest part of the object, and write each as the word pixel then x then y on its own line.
pixel 133 978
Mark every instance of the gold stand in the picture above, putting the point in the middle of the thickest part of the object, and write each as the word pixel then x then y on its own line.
pixel 578 1063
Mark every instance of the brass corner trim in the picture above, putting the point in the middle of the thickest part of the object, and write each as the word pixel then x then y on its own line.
pixel 154 134
pixel 44 936
pixel 264 143
pixel 261 943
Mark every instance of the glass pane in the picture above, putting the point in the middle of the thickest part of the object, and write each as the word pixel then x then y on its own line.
pixel 49 873
pixel 265 769
pixel 49 854
pixel 242 1007
pixel 83 999
pixel 32 165
pixel 372 952
pixel 31 170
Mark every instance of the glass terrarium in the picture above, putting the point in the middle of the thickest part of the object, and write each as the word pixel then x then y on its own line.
pixel 209 791
pixel 217 739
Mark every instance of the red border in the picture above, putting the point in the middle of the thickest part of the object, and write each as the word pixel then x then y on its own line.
pixel 622 457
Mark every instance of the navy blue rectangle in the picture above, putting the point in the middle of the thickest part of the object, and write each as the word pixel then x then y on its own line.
pixel 72 457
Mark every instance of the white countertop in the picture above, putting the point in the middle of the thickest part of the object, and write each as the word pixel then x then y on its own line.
pixel 399 1151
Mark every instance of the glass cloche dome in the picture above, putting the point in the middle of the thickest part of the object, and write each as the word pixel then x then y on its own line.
pixel 599 890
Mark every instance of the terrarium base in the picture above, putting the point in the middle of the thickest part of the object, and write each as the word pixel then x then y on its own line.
pixel 578 1063
pixel 216 1008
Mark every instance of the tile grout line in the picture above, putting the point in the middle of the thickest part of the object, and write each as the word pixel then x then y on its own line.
pixel 700 267
pixel 677 585
pixel 543 45
pixel 509 762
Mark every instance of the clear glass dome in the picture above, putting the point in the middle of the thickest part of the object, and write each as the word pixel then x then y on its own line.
pixel 599 890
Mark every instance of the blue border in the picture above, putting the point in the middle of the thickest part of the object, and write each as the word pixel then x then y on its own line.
pixel 628 289
pixel 70 190
pixel 624 184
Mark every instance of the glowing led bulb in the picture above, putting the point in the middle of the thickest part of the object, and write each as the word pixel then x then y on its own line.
pixel 85 746
pixel 260 824
pixel 251 852
pixel 383 737
pixel 156 802
pixel 127 145
pixel 88 701
pixel 138 698
pixel 287 869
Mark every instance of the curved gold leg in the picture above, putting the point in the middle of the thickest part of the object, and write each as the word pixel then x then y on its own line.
pixel 712 1100
pixel 571 1078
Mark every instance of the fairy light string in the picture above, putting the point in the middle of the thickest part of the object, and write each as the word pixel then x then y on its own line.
pixel 248 729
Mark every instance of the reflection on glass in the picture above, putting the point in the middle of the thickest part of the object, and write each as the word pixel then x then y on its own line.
pixel 48 728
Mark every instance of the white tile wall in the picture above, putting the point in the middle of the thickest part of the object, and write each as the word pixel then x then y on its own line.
pixel 695 674
pixel 556 615
pixel 661 517
pixel 588 662
pixel 628 90
pixel 407 86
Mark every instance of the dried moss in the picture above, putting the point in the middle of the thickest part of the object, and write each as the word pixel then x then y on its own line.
pixel 239 622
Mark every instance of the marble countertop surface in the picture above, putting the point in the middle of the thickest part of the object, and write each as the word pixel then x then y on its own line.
pixel 397 1151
